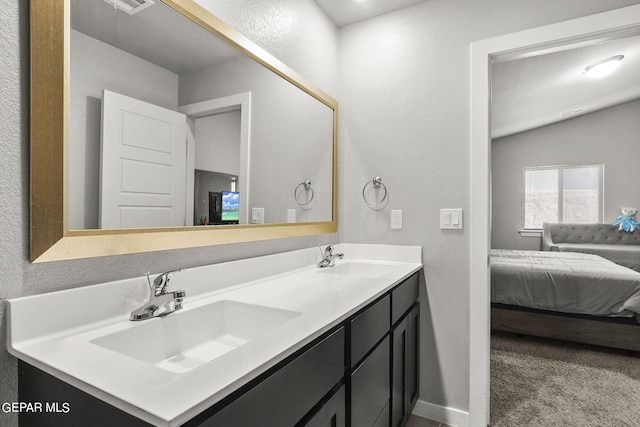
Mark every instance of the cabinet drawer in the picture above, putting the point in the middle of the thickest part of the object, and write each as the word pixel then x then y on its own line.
pixel 332 414
pixel 370 388
pixel 403 297
pixel 383 418
pixel 287 395
pixel 368 328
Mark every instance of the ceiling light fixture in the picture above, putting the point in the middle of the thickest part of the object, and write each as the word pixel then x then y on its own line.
pixel 603 68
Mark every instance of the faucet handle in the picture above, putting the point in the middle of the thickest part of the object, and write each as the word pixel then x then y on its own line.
pixel 161 282
pixel 329 249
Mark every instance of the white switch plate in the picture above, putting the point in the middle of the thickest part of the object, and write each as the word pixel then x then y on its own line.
pixel 257 215
pixel 291 216
pixel 396 220
pixel 451 219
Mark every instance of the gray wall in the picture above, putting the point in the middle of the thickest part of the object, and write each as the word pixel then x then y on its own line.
pixel 607 136
pixel 291 136
pixel 404 92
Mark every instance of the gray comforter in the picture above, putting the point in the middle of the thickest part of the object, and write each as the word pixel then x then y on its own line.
pixel 564 281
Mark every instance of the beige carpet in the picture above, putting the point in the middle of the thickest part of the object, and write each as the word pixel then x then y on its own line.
pixel 538 382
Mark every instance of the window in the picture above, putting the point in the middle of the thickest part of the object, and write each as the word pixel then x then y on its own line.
pixel 562 194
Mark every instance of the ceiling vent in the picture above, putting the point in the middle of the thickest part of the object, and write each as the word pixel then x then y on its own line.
pixel 130 7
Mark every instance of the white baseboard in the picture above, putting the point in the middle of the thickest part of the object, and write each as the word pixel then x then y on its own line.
pixel 450 416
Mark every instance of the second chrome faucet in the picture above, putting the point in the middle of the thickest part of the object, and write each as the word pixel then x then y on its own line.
pixel 329 259
pixel 160 301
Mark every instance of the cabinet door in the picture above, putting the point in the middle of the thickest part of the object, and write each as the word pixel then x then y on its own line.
pixel 332 414
pixel 370 388
pixel 404 391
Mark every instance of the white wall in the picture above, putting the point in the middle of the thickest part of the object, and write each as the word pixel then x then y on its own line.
pixel 608 136
pixel 218 143
pixel 405 93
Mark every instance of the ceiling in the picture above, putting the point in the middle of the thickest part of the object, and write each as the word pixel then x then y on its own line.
pixel 345 12
pixel 547 88
pixel 163 27
pixel 157 34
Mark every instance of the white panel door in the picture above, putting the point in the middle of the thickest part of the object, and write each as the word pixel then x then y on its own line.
pixel 143 167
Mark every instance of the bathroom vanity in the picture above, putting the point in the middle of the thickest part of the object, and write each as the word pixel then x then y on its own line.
pixel 269 341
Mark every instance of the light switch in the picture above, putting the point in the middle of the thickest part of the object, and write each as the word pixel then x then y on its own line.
pixel 447 218
pixel 450 219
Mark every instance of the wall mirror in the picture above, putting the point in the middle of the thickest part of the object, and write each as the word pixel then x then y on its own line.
pixel 163 128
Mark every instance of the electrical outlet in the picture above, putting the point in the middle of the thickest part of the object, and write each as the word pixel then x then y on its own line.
pixel 291 216
pixel 257 215
pixel 396 220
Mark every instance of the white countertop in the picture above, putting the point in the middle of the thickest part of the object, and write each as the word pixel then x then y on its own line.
pixel 54 331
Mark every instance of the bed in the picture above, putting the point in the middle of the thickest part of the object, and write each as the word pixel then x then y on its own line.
pixel 564 295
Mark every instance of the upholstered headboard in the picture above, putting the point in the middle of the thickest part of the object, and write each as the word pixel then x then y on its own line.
pixel 588 233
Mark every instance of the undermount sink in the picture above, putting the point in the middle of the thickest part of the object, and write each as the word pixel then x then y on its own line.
pixel 184 340
pixel 358 269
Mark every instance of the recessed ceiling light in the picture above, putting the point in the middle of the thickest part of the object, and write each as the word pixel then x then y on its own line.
pixel 603 68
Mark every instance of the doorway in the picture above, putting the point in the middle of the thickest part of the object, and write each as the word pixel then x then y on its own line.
pixel 239 102
pixel 555 37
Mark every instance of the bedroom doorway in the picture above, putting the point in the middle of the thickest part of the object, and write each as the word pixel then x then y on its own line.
pixel 553 38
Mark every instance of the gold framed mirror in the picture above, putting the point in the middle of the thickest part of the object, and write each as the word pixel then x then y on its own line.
pixel 54 236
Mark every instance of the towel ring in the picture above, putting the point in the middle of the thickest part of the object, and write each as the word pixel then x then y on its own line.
pixel 376 182
pixel 307 186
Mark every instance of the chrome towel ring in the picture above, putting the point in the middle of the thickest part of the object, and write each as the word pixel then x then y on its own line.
pixel 307 187
pixel 376 183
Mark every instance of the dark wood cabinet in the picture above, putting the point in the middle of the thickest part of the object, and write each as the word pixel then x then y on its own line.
pixel 403 297
pixel 385 384
pixel 331 414
pixel 288 394
pixel 74 407
pixel 405 365
pixel 369 327
pixel 361 373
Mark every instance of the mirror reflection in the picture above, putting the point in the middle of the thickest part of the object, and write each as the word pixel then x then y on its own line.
pixel 171 126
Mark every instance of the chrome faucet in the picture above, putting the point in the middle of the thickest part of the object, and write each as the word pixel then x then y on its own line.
pixel 329 259
pixel 160 301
